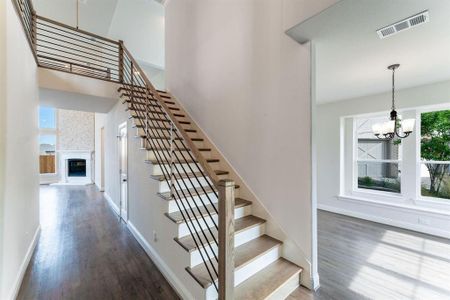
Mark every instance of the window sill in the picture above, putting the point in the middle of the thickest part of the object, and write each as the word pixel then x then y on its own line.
pixel 416 205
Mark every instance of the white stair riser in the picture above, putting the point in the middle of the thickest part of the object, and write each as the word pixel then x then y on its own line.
pixel 186 183
pixel 199 200
pixel 160 132
pixel 158 169
pixel 240 238
pixel 180 154
pixel 256 265
pixel 207 222
pixel 249 270
pixel 286 289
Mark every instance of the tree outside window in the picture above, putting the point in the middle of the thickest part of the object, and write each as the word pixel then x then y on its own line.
pixel 435 154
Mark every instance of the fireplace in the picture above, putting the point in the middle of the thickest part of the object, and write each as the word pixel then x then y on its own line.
pixel 76 168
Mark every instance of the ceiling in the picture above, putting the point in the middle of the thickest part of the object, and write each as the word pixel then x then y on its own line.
pixel 351 59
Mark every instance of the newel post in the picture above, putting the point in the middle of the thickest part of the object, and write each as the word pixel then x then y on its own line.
pixel 226 239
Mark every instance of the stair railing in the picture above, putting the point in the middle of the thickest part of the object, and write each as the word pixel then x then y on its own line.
pixel 205 203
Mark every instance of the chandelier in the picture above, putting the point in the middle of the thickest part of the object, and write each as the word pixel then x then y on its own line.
pixel 395 127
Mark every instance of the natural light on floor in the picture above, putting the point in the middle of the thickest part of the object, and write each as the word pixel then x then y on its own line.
pixel 417 270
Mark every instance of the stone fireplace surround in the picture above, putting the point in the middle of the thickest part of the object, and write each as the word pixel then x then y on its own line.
pixel 64 156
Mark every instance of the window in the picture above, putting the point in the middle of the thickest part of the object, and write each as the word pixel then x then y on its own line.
pixel 377 161
pixel 47 140
pixel 435 154
pixel 47 118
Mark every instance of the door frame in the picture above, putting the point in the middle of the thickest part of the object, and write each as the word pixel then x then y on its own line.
pixel 123 214
pixel 102 159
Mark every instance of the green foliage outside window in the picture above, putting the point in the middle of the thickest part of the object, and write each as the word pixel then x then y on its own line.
pixel 435 146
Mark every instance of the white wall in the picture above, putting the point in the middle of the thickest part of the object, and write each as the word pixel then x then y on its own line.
pixel 100 122
pixel 3 99
pixel 20 156
pixel 75 101
pixel 246 84
pixel 140 24
pixel 407 212
pixel 61 81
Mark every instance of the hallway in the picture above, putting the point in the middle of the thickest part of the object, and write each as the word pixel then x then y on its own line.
pixel 85 253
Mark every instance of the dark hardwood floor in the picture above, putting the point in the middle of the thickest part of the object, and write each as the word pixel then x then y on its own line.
pixel 365 260
pixel 85 253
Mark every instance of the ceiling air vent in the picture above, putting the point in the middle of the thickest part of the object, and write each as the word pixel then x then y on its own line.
pixel 405 24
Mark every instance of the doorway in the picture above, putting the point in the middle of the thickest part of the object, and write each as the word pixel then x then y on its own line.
pixel 123 171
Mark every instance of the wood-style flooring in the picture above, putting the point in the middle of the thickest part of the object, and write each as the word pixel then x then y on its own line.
pixel 365 260
pixel 85 253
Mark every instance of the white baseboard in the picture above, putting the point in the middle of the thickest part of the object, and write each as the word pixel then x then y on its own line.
pixel 23 267
pixel 383 220
pixel 114 206
pixel 101 189
pixel 162 266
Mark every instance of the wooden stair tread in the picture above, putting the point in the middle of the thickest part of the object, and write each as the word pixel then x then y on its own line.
pixel 177 217
pixel 244 254
pixel 188 175
pixel 267 281
pixel 240 224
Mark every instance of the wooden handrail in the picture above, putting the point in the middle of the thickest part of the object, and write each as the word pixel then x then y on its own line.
pixel 201 160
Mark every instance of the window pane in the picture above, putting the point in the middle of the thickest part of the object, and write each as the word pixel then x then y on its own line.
pixel 380 176
pixel 435 136
pixel 435 180
pixel 47 117
pixel 435 146
pixel 47 149
pixel 372 148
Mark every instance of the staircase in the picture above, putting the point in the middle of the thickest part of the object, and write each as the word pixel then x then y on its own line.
pixel 230 256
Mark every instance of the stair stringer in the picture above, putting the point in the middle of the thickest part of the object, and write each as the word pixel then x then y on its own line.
pixel 290 250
